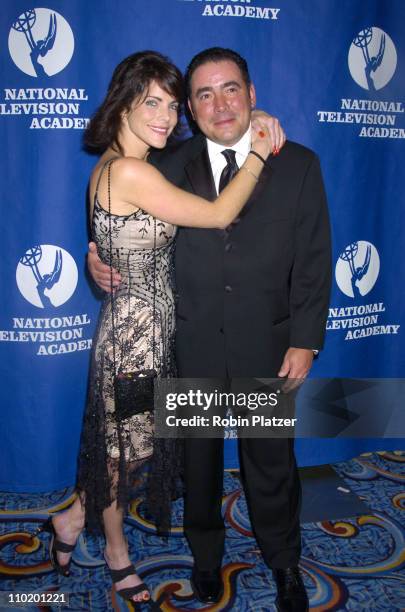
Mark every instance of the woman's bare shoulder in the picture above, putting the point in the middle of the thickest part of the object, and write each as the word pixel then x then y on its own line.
pixel 130 167
pixel 127 174
pixel 124 167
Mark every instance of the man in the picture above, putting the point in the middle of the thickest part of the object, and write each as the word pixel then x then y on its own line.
pixel 252 302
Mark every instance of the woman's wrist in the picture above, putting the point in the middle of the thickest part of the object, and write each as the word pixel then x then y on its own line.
pixel 256 154
pixel 253 166
pixel 261 148
pixel 254 163
pixel 250 171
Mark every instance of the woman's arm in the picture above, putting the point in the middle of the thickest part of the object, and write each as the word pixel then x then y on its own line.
pixel 140 185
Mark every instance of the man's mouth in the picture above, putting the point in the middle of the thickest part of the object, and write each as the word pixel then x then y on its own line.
pixel 224 122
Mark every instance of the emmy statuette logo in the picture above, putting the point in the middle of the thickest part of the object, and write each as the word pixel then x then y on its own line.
pixel 46 276
pixel 41 42
pixel 372 59
pixel 357 269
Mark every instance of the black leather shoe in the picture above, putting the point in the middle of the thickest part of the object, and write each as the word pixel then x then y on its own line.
pixel 291 593
pixel 207 585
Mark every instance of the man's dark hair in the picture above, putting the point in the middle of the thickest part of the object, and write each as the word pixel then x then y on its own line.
pixel 216 54
pixel 130 81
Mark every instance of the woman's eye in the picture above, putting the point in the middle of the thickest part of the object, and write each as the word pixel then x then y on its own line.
pixel 150 102
pixel 174 106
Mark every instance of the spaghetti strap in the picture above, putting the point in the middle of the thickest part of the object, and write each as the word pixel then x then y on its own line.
pixel 100 174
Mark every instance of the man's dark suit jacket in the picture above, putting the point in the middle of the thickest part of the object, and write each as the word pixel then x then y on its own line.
pixel 246 295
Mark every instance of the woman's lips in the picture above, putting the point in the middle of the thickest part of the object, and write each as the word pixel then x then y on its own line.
pixel 159 130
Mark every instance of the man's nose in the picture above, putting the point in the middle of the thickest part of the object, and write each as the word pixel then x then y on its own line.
pixel 220 102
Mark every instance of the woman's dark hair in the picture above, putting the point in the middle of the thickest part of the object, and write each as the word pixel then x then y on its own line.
pixel 130 81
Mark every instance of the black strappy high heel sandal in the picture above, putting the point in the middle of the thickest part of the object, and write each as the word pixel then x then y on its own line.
pixel 128 593
pixel 57 546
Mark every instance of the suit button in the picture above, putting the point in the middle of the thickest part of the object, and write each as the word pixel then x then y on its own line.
pixel 228 247
pixel 221 330
pixel 228 288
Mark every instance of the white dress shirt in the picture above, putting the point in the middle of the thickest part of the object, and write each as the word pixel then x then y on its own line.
pixel 218 161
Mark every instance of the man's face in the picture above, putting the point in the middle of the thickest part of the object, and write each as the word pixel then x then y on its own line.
pixel 220 102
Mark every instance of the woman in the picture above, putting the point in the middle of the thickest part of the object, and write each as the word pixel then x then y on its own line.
pixel 134 211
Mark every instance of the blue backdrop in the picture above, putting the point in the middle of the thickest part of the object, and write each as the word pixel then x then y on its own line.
pixel 331 70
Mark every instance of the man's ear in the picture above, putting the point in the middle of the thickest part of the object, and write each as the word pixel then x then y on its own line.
pixel 190 108
pixel 252 96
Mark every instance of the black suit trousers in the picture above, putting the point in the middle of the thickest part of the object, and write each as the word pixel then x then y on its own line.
pixel 273 493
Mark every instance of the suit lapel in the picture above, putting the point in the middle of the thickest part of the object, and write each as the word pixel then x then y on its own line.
pixel 258 190
pixel 199 173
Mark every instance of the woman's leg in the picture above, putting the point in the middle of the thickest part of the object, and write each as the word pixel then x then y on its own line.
pixel 116 551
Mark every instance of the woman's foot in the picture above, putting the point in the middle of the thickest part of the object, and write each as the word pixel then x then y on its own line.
pixel 126 581
pixel 68 526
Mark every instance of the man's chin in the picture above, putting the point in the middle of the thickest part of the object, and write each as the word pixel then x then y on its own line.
pixel 227 140
pixel 227 136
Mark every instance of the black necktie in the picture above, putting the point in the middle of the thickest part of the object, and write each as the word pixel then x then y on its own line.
pixel 230 169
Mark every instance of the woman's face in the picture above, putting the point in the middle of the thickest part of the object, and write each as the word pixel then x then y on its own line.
pixel 152 121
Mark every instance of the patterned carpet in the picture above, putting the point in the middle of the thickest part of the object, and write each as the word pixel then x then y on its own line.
pixel 352 564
